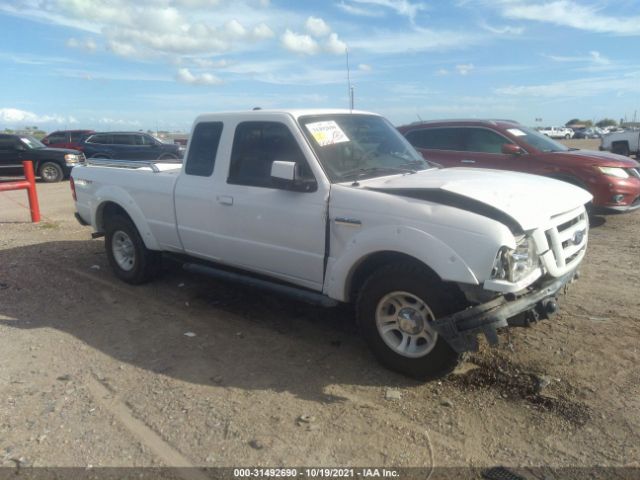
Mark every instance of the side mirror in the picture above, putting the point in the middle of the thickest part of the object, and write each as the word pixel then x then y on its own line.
pixel 285 176
pixel 512 149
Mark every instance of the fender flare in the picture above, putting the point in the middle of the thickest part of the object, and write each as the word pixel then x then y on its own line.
pixel 119 196
pixel 425 248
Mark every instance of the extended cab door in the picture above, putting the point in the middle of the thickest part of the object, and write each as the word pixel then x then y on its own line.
pixel 10 156
pixel 247 219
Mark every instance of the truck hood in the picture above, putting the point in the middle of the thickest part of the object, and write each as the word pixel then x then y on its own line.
pixel 603 159
pixel 528 200
pixel 48 152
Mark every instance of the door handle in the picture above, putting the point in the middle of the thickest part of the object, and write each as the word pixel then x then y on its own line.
pixel 467 161
pixel 225 199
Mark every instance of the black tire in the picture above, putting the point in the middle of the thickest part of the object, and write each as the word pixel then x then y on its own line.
pixel 143 264
pixel 50 172
pixel 621 148
pixel 567 136
pixel 167 156
pixel 416 280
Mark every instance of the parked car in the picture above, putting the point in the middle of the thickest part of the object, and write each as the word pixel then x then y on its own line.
pixel 586 133
pixel 335 206
pixel 626 142
pixel 557 132
pixel 128 146
pixel 51 164
pixel 613 180
pixel 65 138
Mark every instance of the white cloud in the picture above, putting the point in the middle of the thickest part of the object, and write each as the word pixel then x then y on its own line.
pixel 317 27
pixel 334 45
pixel 16 117
pixel 594 57
pixel 359 11
pixel 207 63
pixel 363 67
pixel 235 29
pixel 569 13
pixel 415 40
pixel 262 32
pixel 184 75
pixel 297 43
pixel 442 72
pixel 401 7
pixel 87 44
pixel 583 87
pixel 464 68
pixel 503 30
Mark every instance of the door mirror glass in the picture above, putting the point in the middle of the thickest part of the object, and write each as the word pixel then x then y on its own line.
pixel 285 175
pixel 511 149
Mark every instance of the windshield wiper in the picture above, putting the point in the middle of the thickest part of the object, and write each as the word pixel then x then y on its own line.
pixel 363 172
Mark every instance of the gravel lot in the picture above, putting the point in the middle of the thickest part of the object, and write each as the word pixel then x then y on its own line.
pixel 94 372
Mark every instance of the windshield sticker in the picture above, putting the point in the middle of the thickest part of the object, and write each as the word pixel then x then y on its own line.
pixel 327 133
pixel 517 132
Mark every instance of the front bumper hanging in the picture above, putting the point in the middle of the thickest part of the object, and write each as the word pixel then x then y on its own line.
pixel 461 329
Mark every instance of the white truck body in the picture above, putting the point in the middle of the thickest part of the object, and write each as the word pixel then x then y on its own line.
pixel 625 143
pixel 457 223
pixel 557 132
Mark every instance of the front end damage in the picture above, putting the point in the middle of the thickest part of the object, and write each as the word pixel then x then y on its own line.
pixel 537 302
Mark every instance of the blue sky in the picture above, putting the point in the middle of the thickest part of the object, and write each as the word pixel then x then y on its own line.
pixel 116 64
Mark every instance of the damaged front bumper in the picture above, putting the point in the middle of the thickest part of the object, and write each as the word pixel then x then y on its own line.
pixel 461 329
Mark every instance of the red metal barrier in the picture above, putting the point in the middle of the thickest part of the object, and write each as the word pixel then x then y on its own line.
pixel 28 184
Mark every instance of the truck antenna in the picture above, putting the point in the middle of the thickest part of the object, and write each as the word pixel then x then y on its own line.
pixel 349 86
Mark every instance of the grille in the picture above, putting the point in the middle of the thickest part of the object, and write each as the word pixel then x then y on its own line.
pixel 568 238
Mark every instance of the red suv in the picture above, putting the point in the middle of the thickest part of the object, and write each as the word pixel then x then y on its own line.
pixel 613 180
pixel 65 138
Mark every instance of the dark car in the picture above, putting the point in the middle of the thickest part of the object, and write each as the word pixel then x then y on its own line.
pixel 586 133
pixel 613 180
pixel 128 146
pixel 51 164
pixel 65 138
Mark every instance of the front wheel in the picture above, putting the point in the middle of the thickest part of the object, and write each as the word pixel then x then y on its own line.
pixel 396 309
pixel 50 172
pixel 567 136
pixel 129 258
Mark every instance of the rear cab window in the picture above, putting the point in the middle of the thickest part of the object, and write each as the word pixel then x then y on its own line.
pixel 203 149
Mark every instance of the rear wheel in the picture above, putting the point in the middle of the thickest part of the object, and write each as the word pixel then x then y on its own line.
pixel 396 309
pixel 50 172
pixel 129 258
pixel 167 156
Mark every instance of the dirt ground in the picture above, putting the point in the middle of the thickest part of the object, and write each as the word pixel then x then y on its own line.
pixel 186 371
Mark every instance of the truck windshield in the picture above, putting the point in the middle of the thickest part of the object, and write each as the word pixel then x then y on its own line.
pixel 537 140
pixel 32 142
pixel 355 146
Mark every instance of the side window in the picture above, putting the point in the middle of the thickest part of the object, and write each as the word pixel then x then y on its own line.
pixel 144 140
pixel 123 139
pixel 57 137
pixel 76 136
pixel 7 143
pixel 484 141
pixel 100 139
pixel 437 138
pixel 203 149
pixel 256 146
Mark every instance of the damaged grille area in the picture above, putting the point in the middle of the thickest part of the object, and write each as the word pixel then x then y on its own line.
pixel 568 237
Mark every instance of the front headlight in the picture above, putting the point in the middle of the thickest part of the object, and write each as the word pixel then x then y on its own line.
pixel 614 172
pixel 71 158
pixel 514 265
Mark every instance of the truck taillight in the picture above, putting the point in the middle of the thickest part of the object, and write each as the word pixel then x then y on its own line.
pixel 73 189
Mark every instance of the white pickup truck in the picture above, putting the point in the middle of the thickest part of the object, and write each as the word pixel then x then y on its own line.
pixel 334 206
pixel 626 142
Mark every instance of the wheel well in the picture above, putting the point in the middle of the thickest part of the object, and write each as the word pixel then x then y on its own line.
pixel 375 261
pixel 108 210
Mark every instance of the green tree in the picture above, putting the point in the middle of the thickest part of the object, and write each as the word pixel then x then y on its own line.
pixel 573 121
pixel 607 122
